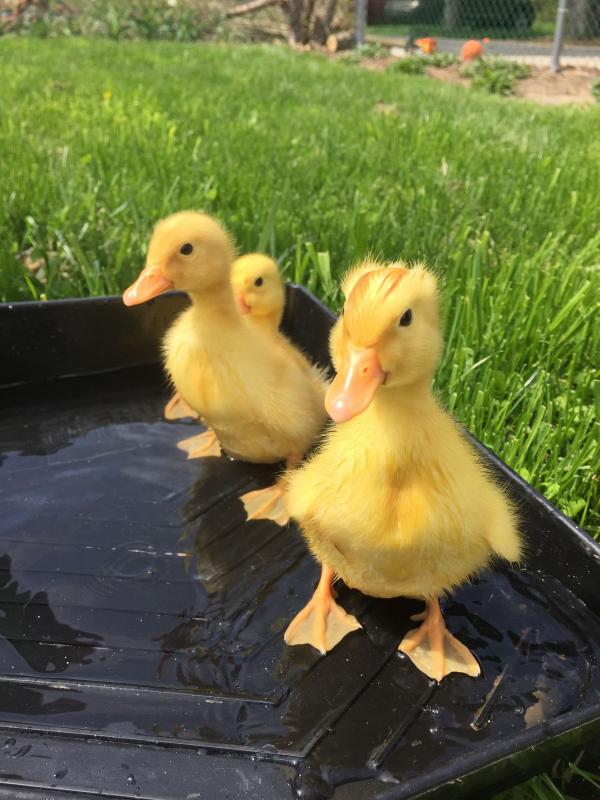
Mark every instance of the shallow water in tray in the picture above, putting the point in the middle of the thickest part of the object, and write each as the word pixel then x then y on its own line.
pixel 123 565
pixel 121 558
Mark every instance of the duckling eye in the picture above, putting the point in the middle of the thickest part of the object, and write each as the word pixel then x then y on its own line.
pixel 186 249
pixel 258 282
pixel 406 319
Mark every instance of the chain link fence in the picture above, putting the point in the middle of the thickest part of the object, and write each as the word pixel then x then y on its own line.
pixel 522 30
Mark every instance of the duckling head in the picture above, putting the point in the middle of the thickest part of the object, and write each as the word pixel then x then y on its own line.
pixel 388 338
pixel 258 287
pixel 189 251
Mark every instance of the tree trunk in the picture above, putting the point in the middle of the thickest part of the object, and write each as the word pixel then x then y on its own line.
pixel 299 15
pixel 585 19
pixel 323 21
pixel 452 14
pixel 293 10
pixel 307 20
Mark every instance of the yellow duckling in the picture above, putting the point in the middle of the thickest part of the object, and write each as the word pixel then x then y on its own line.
pixel 259 293
pixel 258 402
pixel 396 502
pixel 259 290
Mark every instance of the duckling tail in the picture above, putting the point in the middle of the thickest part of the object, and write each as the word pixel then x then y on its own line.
pixel 503 531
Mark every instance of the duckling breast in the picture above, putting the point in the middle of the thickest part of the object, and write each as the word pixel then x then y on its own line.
pixel 385 529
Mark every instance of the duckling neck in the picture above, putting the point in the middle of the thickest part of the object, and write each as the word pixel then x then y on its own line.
pixel 269 322
pixel 403 409
pixel 216 305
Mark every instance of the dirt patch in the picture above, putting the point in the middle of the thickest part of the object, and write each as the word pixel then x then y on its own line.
pixel 377 64
pixel 449 74
pixel 571 85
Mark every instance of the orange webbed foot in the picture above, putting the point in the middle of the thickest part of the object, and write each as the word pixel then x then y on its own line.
pixel 434 650
pixel 201 446
pixel 269 503
pixel 266 504
pixel 322 623
pixel 177 408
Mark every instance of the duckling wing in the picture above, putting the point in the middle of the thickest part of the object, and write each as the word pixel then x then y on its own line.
pixel 268 408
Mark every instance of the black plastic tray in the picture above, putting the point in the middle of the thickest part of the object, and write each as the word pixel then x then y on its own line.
pixel 141 619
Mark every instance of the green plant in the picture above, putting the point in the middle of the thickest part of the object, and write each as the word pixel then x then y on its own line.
pixel 367 50
pixel 441 60
pixel 596 90
pixel 178 20
pixel 55 20
pixel 573 783
pixel 495 75
pixel 416 64
pixel 350 57
pixel 372 50
pixel 411 65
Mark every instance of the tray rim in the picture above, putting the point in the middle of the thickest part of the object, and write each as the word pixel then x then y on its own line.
pixel 585 720
pixel 591 545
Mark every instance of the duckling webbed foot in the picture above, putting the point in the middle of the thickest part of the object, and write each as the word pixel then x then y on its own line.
pixel 266 504
pixel 322 623
pixel 177 408
pixel 201 446
pixel 434 650
pixel 269 503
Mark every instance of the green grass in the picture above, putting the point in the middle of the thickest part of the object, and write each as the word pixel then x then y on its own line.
pixel 574 784
pixel 294 154
pixel 417 63
pixel 495 75
pixel 320 163
pixel 539 29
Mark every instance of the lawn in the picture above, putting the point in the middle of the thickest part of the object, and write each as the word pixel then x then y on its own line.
pixel 320 163
pixel 539 29
pixel 299 156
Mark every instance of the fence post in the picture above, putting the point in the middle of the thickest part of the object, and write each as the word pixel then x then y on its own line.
pixel 361 20
pixel 561 13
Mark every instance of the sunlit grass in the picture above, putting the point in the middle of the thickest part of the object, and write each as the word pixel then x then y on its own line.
pixel 539 29
pixel 296 157
pixel 319 164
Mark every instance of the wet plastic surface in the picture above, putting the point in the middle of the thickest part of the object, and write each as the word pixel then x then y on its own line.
pixel 141 619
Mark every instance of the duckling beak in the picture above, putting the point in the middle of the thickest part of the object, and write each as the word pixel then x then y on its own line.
pixel 353 389
pixel 150 283
pixel 243 305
